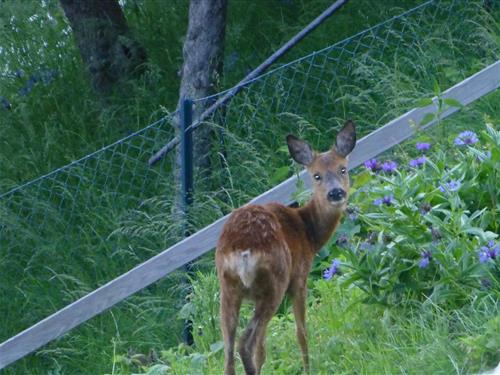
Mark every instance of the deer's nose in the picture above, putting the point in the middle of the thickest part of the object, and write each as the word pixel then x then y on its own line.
pixel 336 194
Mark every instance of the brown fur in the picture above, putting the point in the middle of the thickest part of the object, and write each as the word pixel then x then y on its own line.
pixel 267 251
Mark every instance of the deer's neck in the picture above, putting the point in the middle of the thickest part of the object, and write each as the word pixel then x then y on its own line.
pixel 320 222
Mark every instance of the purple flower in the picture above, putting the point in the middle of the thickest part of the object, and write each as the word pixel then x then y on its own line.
pixel 342 240
pixel 466 138
pixel 333 270
pixel 483 256
pixel 33 80
pixel 389 166
pixel 352 212
pixel 425 208
pixel 486 155
pixel 415 163
pixel 423 146
pixel 436 234
pixel 490 251
pixel 23 91
pixel 425 260
pixel 373 165
pixel 47 76
pixel 387 200
pixel 365 246
pixel 5 103
pixel 486 283
pixel 452 185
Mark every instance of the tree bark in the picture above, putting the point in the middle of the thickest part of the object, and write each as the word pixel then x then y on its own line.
pixel 106 44
pixel 203 54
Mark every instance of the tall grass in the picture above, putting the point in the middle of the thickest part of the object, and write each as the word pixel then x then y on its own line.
pixel 346 336
pixel 63 237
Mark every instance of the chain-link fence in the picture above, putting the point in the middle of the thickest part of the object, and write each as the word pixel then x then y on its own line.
pixel 66 233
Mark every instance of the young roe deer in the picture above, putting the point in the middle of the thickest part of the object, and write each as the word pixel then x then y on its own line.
pixel 265 251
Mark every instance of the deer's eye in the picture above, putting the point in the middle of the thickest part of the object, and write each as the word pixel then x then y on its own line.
pixel 317 176
pixel 343 170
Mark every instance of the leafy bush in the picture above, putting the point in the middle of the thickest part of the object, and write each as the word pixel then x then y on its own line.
pixel 425 226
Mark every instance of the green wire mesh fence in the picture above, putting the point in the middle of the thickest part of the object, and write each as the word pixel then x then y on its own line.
pixel 110 210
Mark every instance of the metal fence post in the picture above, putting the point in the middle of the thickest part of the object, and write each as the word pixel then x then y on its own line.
pixel 186 118
pixel 186 150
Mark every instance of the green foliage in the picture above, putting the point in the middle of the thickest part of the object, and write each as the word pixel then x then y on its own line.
pixel 80 227
pixel 484 346
pixel 425 242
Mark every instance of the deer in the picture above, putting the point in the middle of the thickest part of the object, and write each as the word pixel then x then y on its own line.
pixel 266 251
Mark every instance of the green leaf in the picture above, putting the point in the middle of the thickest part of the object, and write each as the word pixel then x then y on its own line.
pixel 217 346
pixel 361 179
pixel 428 118
pixel 198 360
pixel 158 370
pixel 476 232
pixel 451 73
pixel 437 90
pixel 453 102
pixel 424 102
pixel 495 155
pixel 283 149
pixel 279 175
pixel 376 215
pixel 187 311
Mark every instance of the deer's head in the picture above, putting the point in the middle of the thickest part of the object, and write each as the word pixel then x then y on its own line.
pixel 328 170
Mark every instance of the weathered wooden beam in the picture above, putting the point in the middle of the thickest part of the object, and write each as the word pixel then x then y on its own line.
pixel 101 299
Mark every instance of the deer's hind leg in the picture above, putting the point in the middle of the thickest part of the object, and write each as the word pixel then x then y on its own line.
pixel 299 297
pixel 230 303
pixel 267 300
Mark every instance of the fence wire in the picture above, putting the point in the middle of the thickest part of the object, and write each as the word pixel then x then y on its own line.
pixel 110 209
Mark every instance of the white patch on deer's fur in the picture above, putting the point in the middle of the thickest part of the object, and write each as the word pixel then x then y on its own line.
pixel 244 263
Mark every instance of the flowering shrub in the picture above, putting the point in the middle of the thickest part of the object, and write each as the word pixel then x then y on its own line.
pixel 429 228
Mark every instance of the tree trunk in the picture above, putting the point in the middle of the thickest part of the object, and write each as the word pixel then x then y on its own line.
pixel 203 54
pixel 106 45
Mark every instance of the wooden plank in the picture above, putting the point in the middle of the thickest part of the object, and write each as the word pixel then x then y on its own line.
pixel 203 241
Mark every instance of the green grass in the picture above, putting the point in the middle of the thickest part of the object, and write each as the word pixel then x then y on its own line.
pixel 347 336
pixel 70 122
pixel 119 212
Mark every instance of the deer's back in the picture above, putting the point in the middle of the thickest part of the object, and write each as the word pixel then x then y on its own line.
pixel 251 226
pixel 252 243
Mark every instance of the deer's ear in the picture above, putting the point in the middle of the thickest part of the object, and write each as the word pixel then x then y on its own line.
pixel 346 139
pixel 300 151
